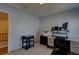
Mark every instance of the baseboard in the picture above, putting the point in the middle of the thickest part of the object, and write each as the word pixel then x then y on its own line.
pixel 19 48
pixel 36 41
pixel 15 50
pixel 74 38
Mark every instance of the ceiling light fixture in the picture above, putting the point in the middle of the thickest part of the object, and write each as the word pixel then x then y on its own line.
pixel 41 3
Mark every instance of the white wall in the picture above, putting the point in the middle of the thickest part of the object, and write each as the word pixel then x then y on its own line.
pixel 71 16
pixel 20 24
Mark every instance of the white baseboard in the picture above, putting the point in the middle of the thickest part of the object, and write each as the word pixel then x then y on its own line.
pixel 74 38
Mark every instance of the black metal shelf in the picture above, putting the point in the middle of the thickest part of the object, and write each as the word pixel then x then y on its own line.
pixel 27 42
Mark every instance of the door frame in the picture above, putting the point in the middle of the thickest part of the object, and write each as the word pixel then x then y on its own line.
pixel 8 26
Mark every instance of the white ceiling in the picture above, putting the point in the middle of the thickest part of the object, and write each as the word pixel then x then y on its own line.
pixel 46 9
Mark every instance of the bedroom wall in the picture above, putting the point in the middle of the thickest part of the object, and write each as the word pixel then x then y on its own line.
pixel 71 16
pixel 20 23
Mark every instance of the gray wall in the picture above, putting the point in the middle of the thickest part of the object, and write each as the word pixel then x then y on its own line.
pixel 71 16
pixel 20 23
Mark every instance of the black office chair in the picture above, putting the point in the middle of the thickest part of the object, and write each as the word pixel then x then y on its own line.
pixel 56 28
pixel 64 26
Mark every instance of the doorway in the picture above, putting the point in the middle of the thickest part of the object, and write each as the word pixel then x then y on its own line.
pixel 3 33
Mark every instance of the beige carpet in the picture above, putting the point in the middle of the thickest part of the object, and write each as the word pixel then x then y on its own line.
pixel 38 49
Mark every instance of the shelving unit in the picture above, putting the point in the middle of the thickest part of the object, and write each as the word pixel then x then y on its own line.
pixel 27 41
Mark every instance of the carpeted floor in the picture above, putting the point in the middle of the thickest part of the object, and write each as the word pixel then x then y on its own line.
pixel 38 49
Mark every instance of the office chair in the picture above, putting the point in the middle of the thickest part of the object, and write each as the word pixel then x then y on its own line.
pixel 64 26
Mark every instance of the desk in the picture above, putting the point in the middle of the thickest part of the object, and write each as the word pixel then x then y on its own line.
pixel 44 40
pixel 60 33
pixel 61 46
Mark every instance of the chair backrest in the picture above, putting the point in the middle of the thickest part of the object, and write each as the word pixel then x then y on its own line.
pixel 56 28
pixel 65 25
